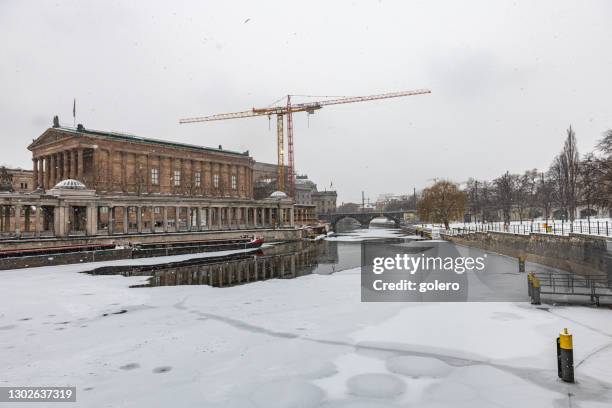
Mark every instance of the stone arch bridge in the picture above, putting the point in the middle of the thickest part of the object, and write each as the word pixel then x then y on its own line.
pixel 364 218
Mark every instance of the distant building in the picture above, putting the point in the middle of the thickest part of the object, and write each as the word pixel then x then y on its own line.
pixel 17 180
pixel 307 195
pixel 325 201
pixel 304 190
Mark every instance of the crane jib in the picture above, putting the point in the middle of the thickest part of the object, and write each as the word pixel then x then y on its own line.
pixel 289 109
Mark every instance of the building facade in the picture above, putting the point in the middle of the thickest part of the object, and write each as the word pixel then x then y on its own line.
pixel 16 180
pixel 325 202
pixel 88 182
pixel 113 163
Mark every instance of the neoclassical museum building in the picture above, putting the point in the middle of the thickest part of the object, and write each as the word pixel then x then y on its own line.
pixel 89 182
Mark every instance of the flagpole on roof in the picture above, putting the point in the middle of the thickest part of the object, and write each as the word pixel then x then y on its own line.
pixel 74 113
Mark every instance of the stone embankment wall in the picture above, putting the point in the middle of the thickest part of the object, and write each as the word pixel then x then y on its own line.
pixel 64 259
pixel 269 235
pixel 577 253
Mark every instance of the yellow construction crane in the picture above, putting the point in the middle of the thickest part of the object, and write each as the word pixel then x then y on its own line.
pixel 288 110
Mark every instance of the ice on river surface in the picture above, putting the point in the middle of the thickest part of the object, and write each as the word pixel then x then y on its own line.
pixel 303 342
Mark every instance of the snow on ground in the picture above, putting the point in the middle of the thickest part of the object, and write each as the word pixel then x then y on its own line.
pixel 593 226
pixel 305 342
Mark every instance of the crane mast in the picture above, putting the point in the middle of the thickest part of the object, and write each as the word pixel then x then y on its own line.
pixel 288 110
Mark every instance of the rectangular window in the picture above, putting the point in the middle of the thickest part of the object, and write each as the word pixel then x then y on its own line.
pixel 155 176
pixel 198 179
pixel 234 183
pixel 177 177
pixel 216 180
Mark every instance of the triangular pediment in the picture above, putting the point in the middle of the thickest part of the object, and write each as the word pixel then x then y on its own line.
pixel 50 136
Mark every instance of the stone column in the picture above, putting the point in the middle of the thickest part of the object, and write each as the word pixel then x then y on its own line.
pixel 199 219
pixel 73 174
pixel 187 218
pixel 111 220
pixel 65 173
pixel 165 217
pixel 52 172
pixel 94 166
pixel 177 217
pixel 46 172
pixel 3 221
pixel 139 219
pixel 37 220
pixel 59 221
pixel 126 219
pixel 26 218
pixel 18 220
pixel 220 217
pixel 91 227
pixel 41 172
pixel 291 217
pixel 230 218
pixel 153 219
pixel 80 165
pixel 35 173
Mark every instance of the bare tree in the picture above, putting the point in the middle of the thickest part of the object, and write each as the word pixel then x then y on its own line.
pixel 505 191
pixel 598 170
pixel 566 171
pixel 474 199
pixel 589 179
pixel 525 193
pixel 545 194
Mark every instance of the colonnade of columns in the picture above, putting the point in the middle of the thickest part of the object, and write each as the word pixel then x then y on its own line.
pixel 19 219
pixel 51 169
pixel 305 215
pixel 124 219
pixel 63 219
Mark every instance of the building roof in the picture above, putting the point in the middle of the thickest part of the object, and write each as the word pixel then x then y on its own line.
pixel 278 194
pixel 70 184
pixel 138 139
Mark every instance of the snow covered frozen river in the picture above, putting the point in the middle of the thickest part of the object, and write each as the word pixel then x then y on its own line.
pixel 303 342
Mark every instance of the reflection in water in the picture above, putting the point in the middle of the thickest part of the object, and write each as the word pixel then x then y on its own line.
pixel 283 261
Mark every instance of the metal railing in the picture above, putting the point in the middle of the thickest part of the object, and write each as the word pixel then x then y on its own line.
pixel 568 284
pixel 587 227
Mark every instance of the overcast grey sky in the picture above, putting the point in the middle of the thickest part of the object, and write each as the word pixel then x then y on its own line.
pixel 507 79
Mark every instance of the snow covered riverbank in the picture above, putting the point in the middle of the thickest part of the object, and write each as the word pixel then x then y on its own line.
pixel 304 342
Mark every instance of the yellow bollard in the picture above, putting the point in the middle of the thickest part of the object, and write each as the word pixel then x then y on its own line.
pixel 565 356
pixel 535 291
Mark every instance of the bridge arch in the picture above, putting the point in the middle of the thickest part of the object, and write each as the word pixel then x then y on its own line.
pixel 335 220
pixel 366 217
